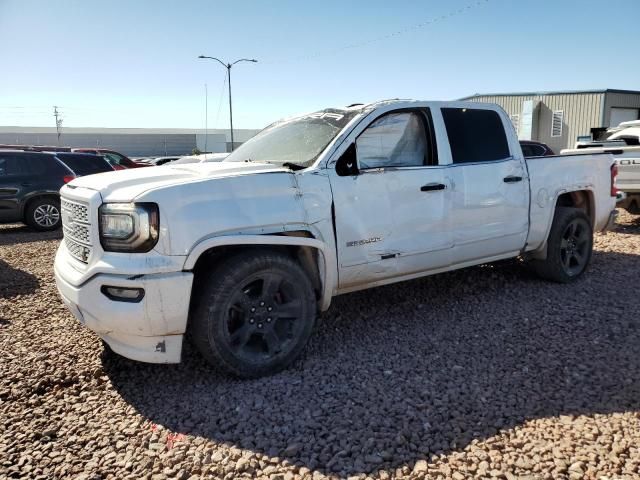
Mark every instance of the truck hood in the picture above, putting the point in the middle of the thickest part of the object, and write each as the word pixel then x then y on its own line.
pixel 126 185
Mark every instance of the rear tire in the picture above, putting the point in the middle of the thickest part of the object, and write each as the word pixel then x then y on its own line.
pixel 633 207
pixel 254 313
pixel 569 246
pixel 44 214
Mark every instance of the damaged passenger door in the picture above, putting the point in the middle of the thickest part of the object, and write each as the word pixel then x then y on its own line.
pixel 391 201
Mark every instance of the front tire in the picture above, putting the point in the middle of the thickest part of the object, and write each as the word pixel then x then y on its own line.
pixel 44 214
pixel 569 246
pixel 254 313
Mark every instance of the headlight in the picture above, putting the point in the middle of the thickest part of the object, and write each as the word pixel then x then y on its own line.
pixel 129 227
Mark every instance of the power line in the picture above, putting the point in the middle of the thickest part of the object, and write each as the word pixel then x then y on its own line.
pixel 397 33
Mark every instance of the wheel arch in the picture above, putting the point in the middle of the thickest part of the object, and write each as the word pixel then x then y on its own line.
pixel 34 197
pixel 582 198
pixel 314 255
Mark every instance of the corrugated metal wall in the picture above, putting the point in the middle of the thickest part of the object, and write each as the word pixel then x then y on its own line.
pixel 619 100
pixel 581 113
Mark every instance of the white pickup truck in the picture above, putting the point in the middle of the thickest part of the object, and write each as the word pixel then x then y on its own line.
pixel 241 255
pixel 624 144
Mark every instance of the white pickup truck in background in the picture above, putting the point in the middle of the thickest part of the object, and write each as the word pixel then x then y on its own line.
pixel 623 143
pixel 242 254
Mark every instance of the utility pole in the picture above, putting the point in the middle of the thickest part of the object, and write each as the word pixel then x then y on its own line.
pixel 206 118
pixel 58 121
pixel 228 67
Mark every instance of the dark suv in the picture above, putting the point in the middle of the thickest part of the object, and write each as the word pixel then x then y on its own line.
pixel 30 181
pixel 117 160
pixel 29 185
pixel 84 163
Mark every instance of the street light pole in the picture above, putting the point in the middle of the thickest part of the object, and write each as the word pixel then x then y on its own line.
pixel 230 109
pixel 228 67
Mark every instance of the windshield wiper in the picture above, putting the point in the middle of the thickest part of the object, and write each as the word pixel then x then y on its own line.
pixel 293 166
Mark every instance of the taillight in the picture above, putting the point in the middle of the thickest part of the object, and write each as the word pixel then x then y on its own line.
pixel 68 178
pixel 614 176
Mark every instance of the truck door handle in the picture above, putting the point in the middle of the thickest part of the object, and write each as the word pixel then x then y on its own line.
pixel 26 184
pixel 512 179
pixel 430 187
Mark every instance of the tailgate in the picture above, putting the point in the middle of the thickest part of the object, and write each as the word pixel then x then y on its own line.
pixel 628 174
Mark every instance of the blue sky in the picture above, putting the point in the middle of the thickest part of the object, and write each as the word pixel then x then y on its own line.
pixel 133 64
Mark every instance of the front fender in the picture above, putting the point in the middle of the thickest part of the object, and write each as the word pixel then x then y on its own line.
pixel 326 257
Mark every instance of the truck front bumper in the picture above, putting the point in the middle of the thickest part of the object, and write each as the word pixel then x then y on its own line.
pixel 150 329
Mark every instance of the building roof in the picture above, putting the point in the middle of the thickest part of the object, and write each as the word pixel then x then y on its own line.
pixel 558 92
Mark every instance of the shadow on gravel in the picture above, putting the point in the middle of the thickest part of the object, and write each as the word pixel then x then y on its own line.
pixel 16 282
pixel 632 227
pixel 404 372
pixel 15 234
pixel 627 223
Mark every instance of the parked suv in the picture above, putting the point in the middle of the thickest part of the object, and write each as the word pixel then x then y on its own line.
pixel 29 188
pixel 117 160
pixel 535 149
pixel 85 163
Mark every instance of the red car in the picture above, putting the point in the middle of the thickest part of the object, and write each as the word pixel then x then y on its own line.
pixel 117 160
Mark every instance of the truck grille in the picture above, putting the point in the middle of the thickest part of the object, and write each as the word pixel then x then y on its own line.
pixel 78 232
pixel 76 228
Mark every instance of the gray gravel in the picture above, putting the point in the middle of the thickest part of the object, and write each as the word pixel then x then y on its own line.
pixel 487 372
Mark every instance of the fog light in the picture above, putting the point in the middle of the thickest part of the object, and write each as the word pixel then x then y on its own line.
pixel 123 294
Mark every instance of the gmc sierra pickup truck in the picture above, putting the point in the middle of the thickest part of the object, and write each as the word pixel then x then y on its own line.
pixel 241 255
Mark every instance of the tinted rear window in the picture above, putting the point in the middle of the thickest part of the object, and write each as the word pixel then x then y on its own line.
pixel 533 150
pixel 10 164
pixel 475 135
pixel 85 164
pixel 27 163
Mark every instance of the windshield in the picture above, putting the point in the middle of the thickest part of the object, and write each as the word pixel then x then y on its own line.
pixel 297 141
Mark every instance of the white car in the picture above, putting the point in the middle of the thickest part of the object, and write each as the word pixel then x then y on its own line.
pixel 243 253
pixel 201 158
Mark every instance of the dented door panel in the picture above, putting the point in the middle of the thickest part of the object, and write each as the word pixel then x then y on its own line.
pixel 422 232
pixel 363 230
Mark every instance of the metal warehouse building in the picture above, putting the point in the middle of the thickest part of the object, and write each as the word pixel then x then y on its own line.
pixel 130 141
pixel 559 119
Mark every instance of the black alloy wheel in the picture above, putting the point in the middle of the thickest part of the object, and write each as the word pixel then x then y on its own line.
pixel 253 313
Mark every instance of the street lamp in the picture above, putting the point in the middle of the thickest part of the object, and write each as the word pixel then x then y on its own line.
pixel 228 67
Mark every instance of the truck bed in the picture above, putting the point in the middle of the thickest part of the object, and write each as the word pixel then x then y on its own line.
pixel 628 160
pixel 553 175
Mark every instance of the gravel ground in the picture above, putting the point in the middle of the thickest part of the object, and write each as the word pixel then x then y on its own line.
pixel 486 372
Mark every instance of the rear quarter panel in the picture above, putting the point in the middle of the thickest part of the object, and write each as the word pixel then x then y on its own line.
pixel 550 177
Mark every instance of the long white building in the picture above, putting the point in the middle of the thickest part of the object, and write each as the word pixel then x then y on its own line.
pixel 130 141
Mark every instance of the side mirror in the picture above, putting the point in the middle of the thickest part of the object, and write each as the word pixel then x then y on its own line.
pixel 347 164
